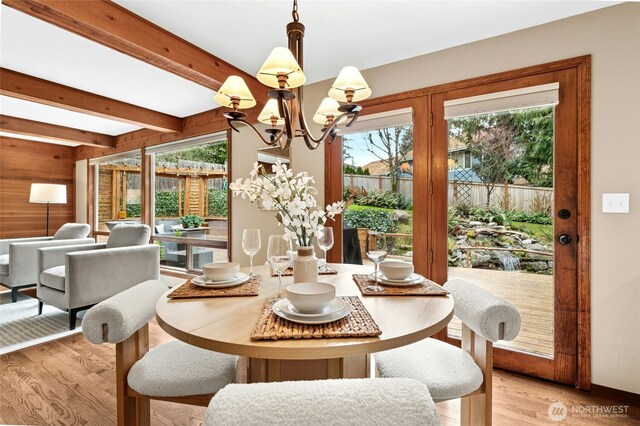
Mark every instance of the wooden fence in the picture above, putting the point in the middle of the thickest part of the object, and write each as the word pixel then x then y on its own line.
pixel 505 197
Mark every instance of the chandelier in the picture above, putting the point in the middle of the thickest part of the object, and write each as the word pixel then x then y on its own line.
pixel 284 111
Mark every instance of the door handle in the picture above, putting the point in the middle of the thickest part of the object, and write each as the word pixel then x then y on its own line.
pixel 564 239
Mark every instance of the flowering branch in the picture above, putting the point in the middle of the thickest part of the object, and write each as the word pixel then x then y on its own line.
pixel 293 198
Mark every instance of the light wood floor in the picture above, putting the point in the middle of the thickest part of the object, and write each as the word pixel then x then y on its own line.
pixel 532 294
pixel 72 382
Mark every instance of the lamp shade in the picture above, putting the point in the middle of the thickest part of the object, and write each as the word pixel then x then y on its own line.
pixel 48 193
pixel 270 110
pixel 235 87
pixel 349 79
pixel 328 107
pixel 281 61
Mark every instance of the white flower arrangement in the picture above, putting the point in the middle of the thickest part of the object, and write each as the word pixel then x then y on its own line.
pixel 293 198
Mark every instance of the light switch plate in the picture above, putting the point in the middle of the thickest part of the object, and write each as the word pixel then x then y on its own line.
pixel 615 203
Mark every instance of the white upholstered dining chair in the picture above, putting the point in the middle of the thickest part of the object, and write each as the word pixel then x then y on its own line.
pixel 324 402
pixel 19 256
pixel 451 372
pixel 174 371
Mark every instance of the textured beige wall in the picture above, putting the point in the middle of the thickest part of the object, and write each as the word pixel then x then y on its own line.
pixel 244 213
pixel 612 37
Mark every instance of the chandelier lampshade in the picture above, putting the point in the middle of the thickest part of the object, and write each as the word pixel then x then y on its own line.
pixel 234 93
pixel 350 86
pixel 284 111
pixel 270 114
pixel 281 70
pixel 327 111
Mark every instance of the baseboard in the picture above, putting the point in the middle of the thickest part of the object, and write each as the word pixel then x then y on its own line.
pixel 617 394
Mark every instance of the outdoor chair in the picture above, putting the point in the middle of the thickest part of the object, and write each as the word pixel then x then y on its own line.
pixel 173 371
pixel 324 402
pixel 451 372
pixel 19 260
pixel 74 278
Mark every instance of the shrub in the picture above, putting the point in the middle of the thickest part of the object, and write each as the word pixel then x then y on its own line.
pixel 502 217
pixel 218 202
pixel 386 200
pixel 166 203
pixel 378 220
pixel 351 192
pixel 133 210
pixel 538 217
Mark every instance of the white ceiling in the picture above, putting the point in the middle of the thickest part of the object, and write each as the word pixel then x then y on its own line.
pixel 243 32
pixel 364 33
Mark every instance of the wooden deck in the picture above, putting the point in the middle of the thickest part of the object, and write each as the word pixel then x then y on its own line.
pixel 532 294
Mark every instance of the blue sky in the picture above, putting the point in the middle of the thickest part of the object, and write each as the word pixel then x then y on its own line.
pixel 358 150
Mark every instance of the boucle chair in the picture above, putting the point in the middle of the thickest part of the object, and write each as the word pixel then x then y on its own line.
pixel 173 371
pixel 324 402
pixel 74 278
pixel 19 260
pixel 451 372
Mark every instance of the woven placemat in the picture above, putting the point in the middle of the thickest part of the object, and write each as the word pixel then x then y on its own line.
pixel 357 324
pixel 289 272
pixel 425 288
pixel 189 290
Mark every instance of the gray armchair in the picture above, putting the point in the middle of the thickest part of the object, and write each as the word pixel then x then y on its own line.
pixel 74 278
pixel 18 256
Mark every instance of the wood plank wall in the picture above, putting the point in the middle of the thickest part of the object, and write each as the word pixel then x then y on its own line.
pixel 21 164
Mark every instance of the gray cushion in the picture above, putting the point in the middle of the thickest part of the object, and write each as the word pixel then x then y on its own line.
pixel 53 278
pixel 324 402
pixel 129 234
pixel 72 231
pixel 4 264
pixel 178 369
pixel 448 371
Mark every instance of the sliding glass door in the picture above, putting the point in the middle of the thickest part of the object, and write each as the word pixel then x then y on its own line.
pixel 190 202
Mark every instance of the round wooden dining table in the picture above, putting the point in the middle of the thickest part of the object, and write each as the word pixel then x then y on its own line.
pixel 225 324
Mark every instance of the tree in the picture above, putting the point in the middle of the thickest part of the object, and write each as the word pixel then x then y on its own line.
pixel 390 145
pixel 534 133
pixel 490 140
pixel 215 153
pixel 506 145
pixel 354 170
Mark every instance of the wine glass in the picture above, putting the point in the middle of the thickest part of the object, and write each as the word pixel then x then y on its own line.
pixel 250 246
pixel 279 257
pixel 376 252
pixel 325 242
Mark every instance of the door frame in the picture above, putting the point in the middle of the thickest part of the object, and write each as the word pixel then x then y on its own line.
pixel 425 163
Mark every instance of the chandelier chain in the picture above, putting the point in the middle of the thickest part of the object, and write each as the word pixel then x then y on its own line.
pixel 294 12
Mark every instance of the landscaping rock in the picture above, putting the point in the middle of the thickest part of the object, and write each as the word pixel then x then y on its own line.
pixel 400 216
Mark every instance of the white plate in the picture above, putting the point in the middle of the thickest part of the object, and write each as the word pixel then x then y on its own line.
pixel 334 306
pixel 202 281
pixel 335 316
pixel 412 279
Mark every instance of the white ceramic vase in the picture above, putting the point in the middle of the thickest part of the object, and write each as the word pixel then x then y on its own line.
pixel 305 266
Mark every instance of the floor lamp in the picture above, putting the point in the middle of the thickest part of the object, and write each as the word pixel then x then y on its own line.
pixel 48 193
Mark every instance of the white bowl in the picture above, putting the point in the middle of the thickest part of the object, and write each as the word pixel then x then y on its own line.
pixel 395 270
pixel 221 271
pixel 310 298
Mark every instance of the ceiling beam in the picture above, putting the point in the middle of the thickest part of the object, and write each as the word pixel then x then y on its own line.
pixel 118 28
pixel 22 86
pixel 21 126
